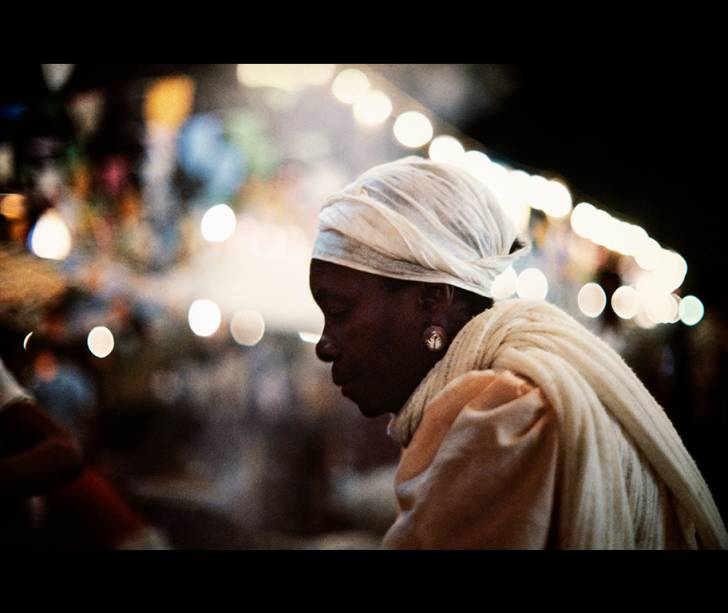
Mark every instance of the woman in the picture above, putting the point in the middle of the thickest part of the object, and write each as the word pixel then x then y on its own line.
pixel 519 428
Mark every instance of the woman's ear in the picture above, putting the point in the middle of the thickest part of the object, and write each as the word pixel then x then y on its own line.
pixel 436 298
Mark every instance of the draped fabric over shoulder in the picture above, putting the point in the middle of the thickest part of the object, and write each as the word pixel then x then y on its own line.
pixel 610 430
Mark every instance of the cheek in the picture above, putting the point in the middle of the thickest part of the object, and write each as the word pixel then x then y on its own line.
pixel 388 346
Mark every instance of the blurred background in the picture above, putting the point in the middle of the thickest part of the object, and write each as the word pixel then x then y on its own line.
pixel 156 223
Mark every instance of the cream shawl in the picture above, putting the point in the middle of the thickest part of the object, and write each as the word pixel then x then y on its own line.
pixel 588 385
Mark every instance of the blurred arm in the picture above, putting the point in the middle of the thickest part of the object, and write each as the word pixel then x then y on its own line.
pixel 36 455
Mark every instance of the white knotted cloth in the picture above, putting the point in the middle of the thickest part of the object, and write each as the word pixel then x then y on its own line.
pixel 419 220
pixel 589 387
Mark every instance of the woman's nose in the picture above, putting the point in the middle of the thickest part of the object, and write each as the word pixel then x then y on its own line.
pixel 326 351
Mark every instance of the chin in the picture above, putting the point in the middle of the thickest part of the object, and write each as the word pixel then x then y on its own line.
pixel 372 410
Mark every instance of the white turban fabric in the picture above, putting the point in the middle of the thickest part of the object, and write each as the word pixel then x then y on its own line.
pixel 419 220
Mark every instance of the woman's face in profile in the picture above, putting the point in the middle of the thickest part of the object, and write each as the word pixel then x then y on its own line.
pixel 372 336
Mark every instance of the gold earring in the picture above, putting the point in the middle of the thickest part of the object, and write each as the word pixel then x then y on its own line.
pixel 435 338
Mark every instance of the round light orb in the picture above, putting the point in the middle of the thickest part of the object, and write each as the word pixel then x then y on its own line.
pixel 691 310
pixel 558 201
pixel 247 327
pixel 100 341
pixel 50 237
pixel 476 163
pixel 661 307
pixel 218 223
pixel 350 86
pixel 413 129
pixel 592 300
pixel 204 317
pixel 505 284
pixel 581 219
pixel 373 109
pixel 532 283
pixel 625 302
pixel 648 253
pixel 446 149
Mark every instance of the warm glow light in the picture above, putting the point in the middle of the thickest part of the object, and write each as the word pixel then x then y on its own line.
pixel 289 77
pixel 496 179
pixel 581 219
pixel 168 101
pixel 476 162
pixel 648 254
pixel 247 327
pixel 558 200
pixel 671 269
pixel 100 341
pixel 413 129
pixel 446 149
pixel 592 300
pixel 691 310
pixel 309 337
pixel 625 302
pixel 350 85
pixel 12 206
pixel 532 283
pixel 204 317
pixel 317 74
pixel 50 237
pixel 26 339
pixel 660 307
pixel 505 284
pixel 634 238
pixel 218 223
pixel 643 321
pixel 601 227
pixel 374 108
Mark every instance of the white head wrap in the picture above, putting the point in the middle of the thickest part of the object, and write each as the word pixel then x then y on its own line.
pixel 419 220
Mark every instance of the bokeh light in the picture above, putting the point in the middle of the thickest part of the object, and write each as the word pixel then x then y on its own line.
pixel 168 101
pixel 625 302
pixel 581 219
pixel 648 254
pixel 557 199
pixel 288 77
pixel 50 238
pixel 691 310
pixel 592 300
pixel 100 341
pixel 373 109
pixel 532 284
pixel 247 327
pixel 204 317
pixel 505 284
pixel 218 223
pixel 350 85
pixel 446 149
pixel 412 129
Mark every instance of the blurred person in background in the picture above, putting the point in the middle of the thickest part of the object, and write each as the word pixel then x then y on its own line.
pixel 48 496
pixel 519 428
pixel 36 456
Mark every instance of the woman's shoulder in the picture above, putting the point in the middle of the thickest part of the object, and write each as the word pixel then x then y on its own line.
pixel 481 390
pixel 491 412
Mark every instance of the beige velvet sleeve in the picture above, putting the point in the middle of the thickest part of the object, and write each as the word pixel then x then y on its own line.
pixel 480 470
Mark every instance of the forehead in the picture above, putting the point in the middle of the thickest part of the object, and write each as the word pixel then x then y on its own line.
pixel 329 280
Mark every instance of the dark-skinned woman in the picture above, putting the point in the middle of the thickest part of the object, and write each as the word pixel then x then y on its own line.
pixel 519 428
